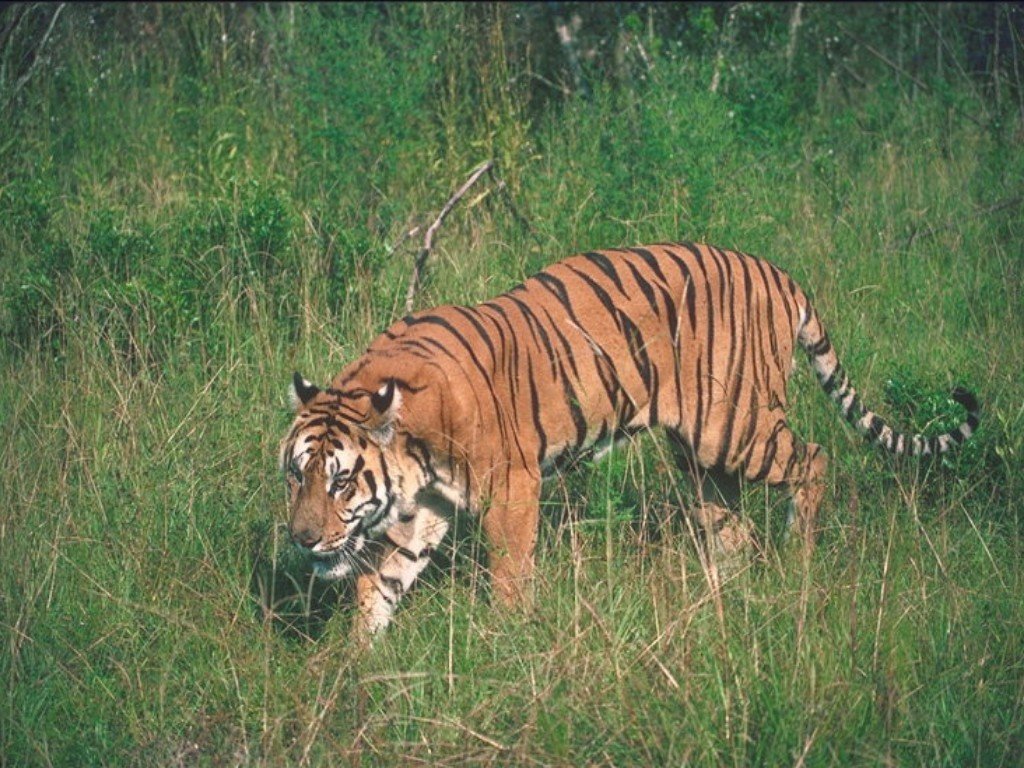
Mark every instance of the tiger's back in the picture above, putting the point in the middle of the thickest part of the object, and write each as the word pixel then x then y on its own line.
pixel 607 343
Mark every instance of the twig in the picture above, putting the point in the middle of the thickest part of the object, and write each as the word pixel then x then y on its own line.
pixel 849 70
pixel 11 25
pixel 502 189
pixel 562 89
pixel 565 31
pixel 1012 202
pixel 794 28
pixel 428 239
pixel 38 57
pixel 405 236
pixel 724 42
pixel 450 723
pixel 644 57
pixel 886 60
pixel 901 70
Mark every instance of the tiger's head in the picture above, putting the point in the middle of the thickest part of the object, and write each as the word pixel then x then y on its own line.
pixel 334 458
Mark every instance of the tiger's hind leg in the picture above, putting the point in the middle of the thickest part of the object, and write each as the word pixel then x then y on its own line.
pixel 728 536
pixel 782 459
pixel 808 489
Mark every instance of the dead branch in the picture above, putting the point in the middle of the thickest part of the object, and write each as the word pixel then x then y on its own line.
pixel 566 31
pixel 902 71
pixel 500 187
pixel 794 28
pixel 725 42
pixel 398 243
pixel 428 238
pixel 1002 205
pixel 38 56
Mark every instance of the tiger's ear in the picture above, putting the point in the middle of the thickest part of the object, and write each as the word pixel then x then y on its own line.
pixel 302 391
pixel 384 405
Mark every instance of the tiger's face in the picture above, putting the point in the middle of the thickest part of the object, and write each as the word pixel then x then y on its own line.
pixel 340 494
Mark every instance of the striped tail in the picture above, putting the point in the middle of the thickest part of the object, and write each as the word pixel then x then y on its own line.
pixel 833 379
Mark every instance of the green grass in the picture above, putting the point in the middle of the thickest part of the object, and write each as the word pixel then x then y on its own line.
pixel 186 223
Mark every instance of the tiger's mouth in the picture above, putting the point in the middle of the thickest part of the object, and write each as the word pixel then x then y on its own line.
pixel 350 556
pixel 341 561
pixel 328 564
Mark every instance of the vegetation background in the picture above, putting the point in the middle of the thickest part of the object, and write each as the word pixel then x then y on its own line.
pixel 197 199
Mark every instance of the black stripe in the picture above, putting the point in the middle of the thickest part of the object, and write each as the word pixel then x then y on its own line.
pixel 748 434
pixel 875 427
pixel 787 298
pixel 575 412
pixel 710 333
pixel 605 265
pixel 357 467
pixel 672 315
pixel 724 283
pixel 468 314
pixel 570 353
pixel 652 262
pixel 772 338
pixel 689 290
pixel 555 286
pixel 370 481
pixel 415 348
pixel 771 448
pixel 830 384
pixel 820 347
pixel 392 584
pixel 637 348
pixel 535 412
pixel 408 554
pixel 611 381
pixel 602 295
pixel 726 438
pixel 558 369
pixel 737 337
pixel 534 324
pixel 644 286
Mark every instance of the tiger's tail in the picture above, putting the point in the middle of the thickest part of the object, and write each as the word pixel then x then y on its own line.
pixel 833 379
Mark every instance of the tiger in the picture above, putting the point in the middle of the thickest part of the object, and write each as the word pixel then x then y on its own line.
pixel 472 407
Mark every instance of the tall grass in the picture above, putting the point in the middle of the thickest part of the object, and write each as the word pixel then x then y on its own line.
pixel 198 200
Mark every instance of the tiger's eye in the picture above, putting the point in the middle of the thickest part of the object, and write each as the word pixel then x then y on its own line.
pixel 339 484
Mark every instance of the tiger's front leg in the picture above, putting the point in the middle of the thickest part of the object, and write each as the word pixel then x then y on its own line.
pixel 510 524
pixel 407 548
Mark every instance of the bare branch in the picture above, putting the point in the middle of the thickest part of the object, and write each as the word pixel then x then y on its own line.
pixel 794 28
pixel 565 31
pixel 500 187
pixel 1002 205
pixel 726 40
pixel 895 67
pixel 38 57
pixel 428 238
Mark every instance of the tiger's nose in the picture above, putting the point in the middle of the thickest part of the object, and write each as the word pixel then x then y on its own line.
pixel 305 538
